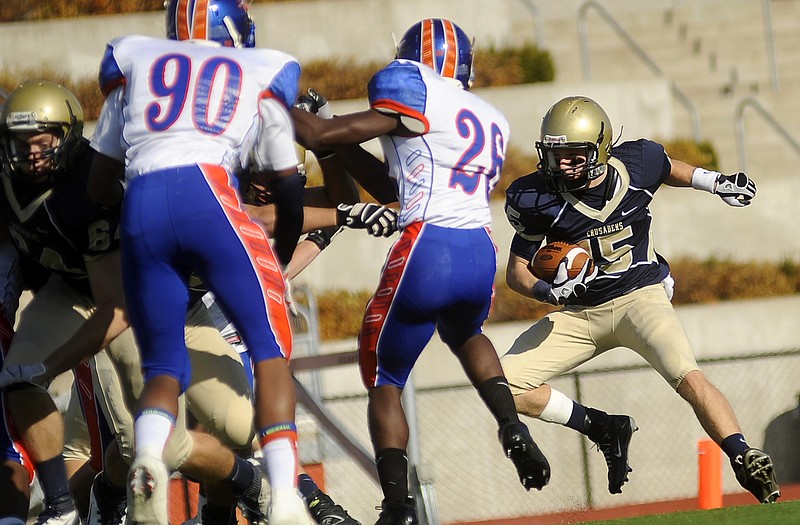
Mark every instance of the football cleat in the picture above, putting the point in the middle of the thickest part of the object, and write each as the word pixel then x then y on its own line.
pixel 287 507
pixel 532 467
pixel 54 516
pixel 148 482
pixel 325 512
pixel 104 508
pixel 255 502
pixel 755 472
pixel 614 441
pixel 398 513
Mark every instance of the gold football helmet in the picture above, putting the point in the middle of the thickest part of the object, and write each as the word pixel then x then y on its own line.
pixel 39 106
pixel 575 126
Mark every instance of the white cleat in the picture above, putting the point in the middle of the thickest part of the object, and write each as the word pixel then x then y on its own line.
pixel 287 507
pixel 148 486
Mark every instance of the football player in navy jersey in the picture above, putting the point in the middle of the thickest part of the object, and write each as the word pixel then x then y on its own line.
pixel 589 192
pixel 444 148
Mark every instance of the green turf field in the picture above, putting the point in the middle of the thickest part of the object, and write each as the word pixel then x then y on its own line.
pixel 775 514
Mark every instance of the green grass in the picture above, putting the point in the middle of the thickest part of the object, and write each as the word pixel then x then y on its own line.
pixel 777 514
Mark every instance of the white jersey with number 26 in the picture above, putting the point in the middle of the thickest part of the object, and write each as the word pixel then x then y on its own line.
pixel 444 176
pixel 194 104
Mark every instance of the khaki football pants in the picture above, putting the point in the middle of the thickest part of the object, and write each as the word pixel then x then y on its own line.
pixel 642 320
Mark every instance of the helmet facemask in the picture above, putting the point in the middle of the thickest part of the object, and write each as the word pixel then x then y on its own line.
pixel 575 144
pixel 574 176
pixel 41 127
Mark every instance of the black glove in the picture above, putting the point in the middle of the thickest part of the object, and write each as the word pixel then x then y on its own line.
pixel 379 221
pixel 736 190
pixel 323 237
pixel 314 103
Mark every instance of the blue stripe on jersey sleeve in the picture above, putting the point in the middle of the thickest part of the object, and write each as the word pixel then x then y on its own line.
pixel 400 83
pixel 285 84
pixel 110 73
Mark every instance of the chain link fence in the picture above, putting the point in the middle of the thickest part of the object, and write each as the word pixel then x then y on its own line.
pixel 473 480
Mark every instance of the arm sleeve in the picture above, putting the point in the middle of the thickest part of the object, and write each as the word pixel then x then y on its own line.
pixel 399 89
pixel 274 149
pixel 107 137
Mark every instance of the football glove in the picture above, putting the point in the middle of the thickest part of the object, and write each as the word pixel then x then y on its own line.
pixel 33 374
pixel 323 236
pixel 314 103
pixel 564 290
pixel 736 190
pixel 379 221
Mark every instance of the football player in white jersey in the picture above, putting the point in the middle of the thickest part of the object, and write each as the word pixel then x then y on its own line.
pixel 445 148
pixel 180 120
pixel 590 192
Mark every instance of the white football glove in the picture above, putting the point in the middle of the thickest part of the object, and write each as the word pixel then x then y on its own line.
pixel 736 190
pixel 18 374
pixel 564 290
pixel 379 221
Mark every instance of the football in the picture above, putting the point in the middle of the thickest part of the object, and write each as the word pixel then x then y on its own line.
pixel 545 263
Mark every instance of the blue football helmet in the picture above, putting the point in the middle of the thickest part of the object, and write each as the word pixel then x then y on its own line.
pixel 223 21
pixel 441 45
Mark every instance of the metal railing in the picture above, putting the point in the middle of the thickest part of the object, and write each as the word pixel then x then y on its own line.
pixel 738 123
pixel 583 35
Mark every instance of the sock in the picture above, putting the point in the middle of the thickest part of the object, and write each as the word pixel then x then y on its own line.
pixel 306 485
pixel 211 513
pixel 594 422
pixel 279 450
pixel 151 429
pixel 392 464
pixel 242 476
pixel 497 396
pixel 559 409
pixel 53 479
pixel 734 446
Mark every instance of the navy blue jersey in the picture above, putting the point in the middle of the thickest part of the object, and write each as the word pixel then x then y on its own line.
pixel 613 224
pixel 57 228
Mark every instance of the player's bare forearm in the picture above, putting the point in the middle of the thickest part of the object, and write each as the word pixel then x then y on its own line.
pixel 370 172
pixel 518 277
pixel 107 322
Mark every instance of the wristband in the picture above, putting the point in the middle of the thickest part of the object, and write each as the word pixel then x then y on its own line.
pixel 541 291
pixel 705 180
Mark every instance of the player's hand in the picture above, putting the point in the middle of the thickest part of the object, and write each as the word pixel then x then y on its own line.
pixel 564 290
pixel 736 190
pixel 379 221
pixel 288 299
pixel 315 103
pixel 19 374
pixel 323 236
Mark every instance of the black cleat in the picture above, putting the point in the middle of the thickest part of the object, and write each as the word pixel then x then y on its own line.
pixel 325 512
pixel 105 508
pixel 532 467
pixel 755 472
pixel 398 513
pixel 614 441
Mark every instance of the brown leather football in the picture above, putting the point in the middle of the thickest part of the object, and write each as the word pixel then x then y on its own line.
pixel 545 263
